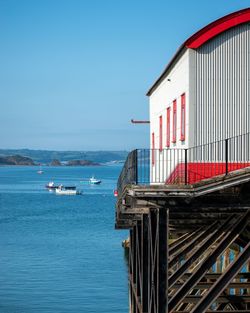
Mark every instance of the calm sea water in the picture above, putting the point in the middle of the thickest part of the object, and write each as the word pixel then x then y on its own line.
pixel 60 253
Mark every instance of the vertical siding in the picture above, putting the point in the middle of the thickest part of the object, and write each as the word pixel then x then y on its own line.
pixel 221 85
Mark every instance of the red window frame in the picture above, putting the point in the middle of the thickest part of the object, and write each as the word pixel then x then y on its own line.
pixel 183 117
pixel 160 133
pixel 168 128
pixel 153 149
pixel 174 121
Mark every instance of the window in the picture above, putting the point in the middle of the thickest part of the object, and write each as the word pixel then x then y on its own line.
pixel 153 149
pixel 168 128
pixel 174 121
pixel 160 133
pixel 183 116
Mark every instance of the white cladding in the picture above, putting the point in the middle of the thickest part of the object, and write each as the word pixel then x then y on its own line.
pixel 221 90
pixel 171 88
pixel 216 81
pixel 175 84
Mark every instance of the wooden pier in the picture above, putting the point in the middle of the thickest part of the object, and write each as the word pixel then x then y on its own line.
pixel 189 244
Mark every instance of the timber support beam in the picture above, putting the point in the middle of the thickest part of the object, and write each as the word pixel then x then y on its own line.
pixel 148 263
pixel 187 257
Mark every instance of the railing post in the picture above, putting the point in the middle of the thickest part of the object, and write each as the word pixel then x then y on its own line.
pixel 186 176
pixel 136 166
pixel 226 155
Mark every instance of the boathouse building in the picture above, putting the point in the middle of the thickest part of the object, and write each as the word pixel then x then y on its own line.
pixel 203 94
pixel 186 200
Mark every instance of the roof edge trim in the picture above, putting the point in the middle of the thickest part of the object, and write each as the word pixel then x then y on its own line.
pixel 206 33
pixel 215 28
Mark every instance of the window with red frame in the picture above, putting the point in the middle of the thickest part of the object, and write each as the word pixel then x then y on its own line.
pixel 183 116
pixel 168 128
pixel 153 149
pixel 174 121
pixel 160 133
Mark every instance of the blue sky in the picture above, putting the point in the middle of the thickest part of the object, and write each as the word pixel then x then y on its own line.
pixel 74 72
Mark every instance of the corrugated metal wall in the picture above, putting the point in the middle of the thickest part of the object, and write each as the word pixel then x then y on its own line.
pixel 221 83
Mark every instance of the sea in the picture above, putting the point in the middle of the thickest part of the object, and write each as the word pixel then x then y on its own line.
pixel 60 254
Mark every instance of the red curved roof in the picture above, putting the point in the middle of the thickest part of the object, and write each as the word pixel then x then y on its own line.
pixel 215 28
pixel 202 36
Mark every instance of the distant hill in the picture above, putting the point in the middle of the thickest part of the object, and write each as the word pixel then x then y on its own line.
pixel 55 163
pixel 15 160
pixel 47 156
pixel 81 163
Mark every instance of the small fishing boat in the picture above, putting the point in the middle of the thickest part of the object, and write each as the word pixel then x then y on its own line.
pixel 94 181
pixel 51 186
pixel 64 190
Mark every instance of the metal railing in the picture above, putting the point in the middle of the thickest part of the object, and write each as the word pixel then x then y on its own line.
pixel 185 166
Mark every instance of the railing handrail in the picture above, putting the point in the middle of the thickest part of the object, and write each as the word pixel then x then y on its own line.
pixel 227 149
pixel 192 147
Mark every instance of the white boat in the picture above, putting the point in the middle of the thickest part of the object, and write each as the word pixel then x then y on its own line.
pixel 51 186
pixel 40 170
pixel 94 181
pixel 63 190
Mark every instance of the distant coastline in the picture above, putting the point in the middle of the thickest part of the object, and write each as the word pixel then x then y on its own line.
pixel 26 157
pixel 16 160
pixel 25 161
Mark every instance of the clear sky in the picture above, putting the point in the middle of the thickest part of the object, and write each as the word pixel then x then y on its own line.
pixel 74 72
